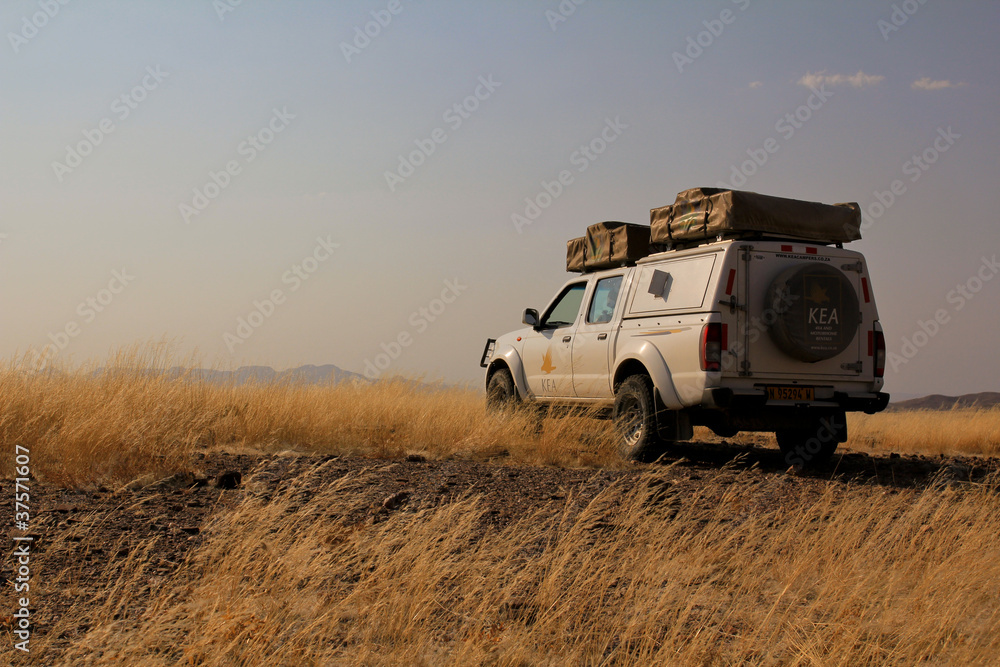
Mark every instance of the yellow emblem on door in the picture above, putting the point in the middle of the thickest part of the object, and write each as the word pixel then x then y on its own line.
pixel 547 366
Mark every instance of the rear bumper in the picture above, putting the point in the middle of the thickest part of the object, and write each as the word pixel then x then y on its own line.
pixel 867 404
pixel 726 399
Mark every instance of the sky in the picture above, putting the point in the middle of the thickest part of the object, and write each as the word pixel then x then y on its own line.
pixel 384 184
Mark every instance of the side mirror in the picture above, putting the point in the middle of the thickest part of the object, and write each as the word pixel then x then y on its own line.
pixel 530 317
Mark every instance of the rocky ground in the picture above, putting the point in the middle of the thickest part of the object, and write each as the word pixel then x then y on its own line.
pixel 78 532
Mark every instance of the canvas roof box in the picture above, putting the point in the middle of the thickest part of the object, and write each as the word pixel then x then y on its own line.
pixel 706 213
pixel 575 254
pixel 611 244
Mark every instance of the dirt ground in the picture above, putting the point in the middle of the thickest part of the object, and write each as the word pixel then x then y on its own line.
pixel 78 532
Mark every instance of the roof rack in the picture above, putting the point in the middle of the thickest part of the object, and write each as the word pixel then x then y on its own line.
pixel 737 236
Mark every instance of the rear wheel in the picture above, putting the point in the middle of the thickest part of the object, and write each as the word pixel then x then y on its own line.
pixel 635 420
pixel 806 449
pixel 501 393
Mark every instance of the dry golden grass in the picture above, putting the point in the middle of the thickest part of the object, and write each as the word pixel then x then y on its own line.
pixel 960 431
pixel 111 423
pixel 857 576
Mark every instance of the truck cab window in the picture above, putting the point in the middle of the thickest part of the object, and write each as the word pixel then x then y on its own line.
pixel 602 305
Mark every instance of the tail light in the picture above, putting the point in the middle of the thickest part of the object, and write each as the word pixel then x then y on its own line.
pixel 877 352
pixel 713 342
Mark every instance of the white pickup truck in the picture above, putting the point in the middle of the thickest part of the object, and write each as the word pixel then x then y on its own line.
pixel 735 335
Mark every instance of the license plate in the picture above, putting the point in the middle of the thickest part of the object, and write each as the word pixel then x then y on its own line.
pixel 791 394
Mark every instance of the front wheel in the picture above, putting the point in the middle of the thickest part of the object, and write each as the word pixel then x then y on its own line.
pixel 500 391
pixel 635 420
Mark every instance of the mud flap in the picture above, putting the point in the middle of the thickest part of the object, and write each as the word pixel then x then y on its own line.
pixel 671 425
pixel 837 425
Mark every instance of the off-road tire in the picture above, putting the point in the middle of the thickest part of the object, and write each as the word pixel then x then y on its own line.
pixel 501 394
pixel 635 420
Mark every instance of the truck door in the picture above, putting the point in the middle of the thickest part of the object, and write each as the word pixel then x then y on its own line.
pixel 592 345
pixel 546 355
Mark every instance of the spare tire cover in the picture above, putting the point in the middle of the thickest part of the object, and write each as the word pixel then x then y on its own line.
pixel 814 312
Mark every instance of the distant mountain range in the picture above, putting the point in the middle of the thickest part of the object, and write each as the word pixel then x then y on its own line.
pixel 305 374
pixel 987 399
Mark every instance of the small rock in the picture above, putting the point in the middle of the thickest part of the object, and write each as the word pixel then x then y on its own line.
pixel 140 482
pixel 659 491
pixel 178 480
pixel 395 500
pixel 231 479
pixel 951 476
pixel 416 458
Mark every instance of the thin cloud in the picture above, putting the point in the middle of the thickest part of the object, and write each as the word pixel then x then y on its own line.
pixel 926 83
pixel 859 80
pixel 756 84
